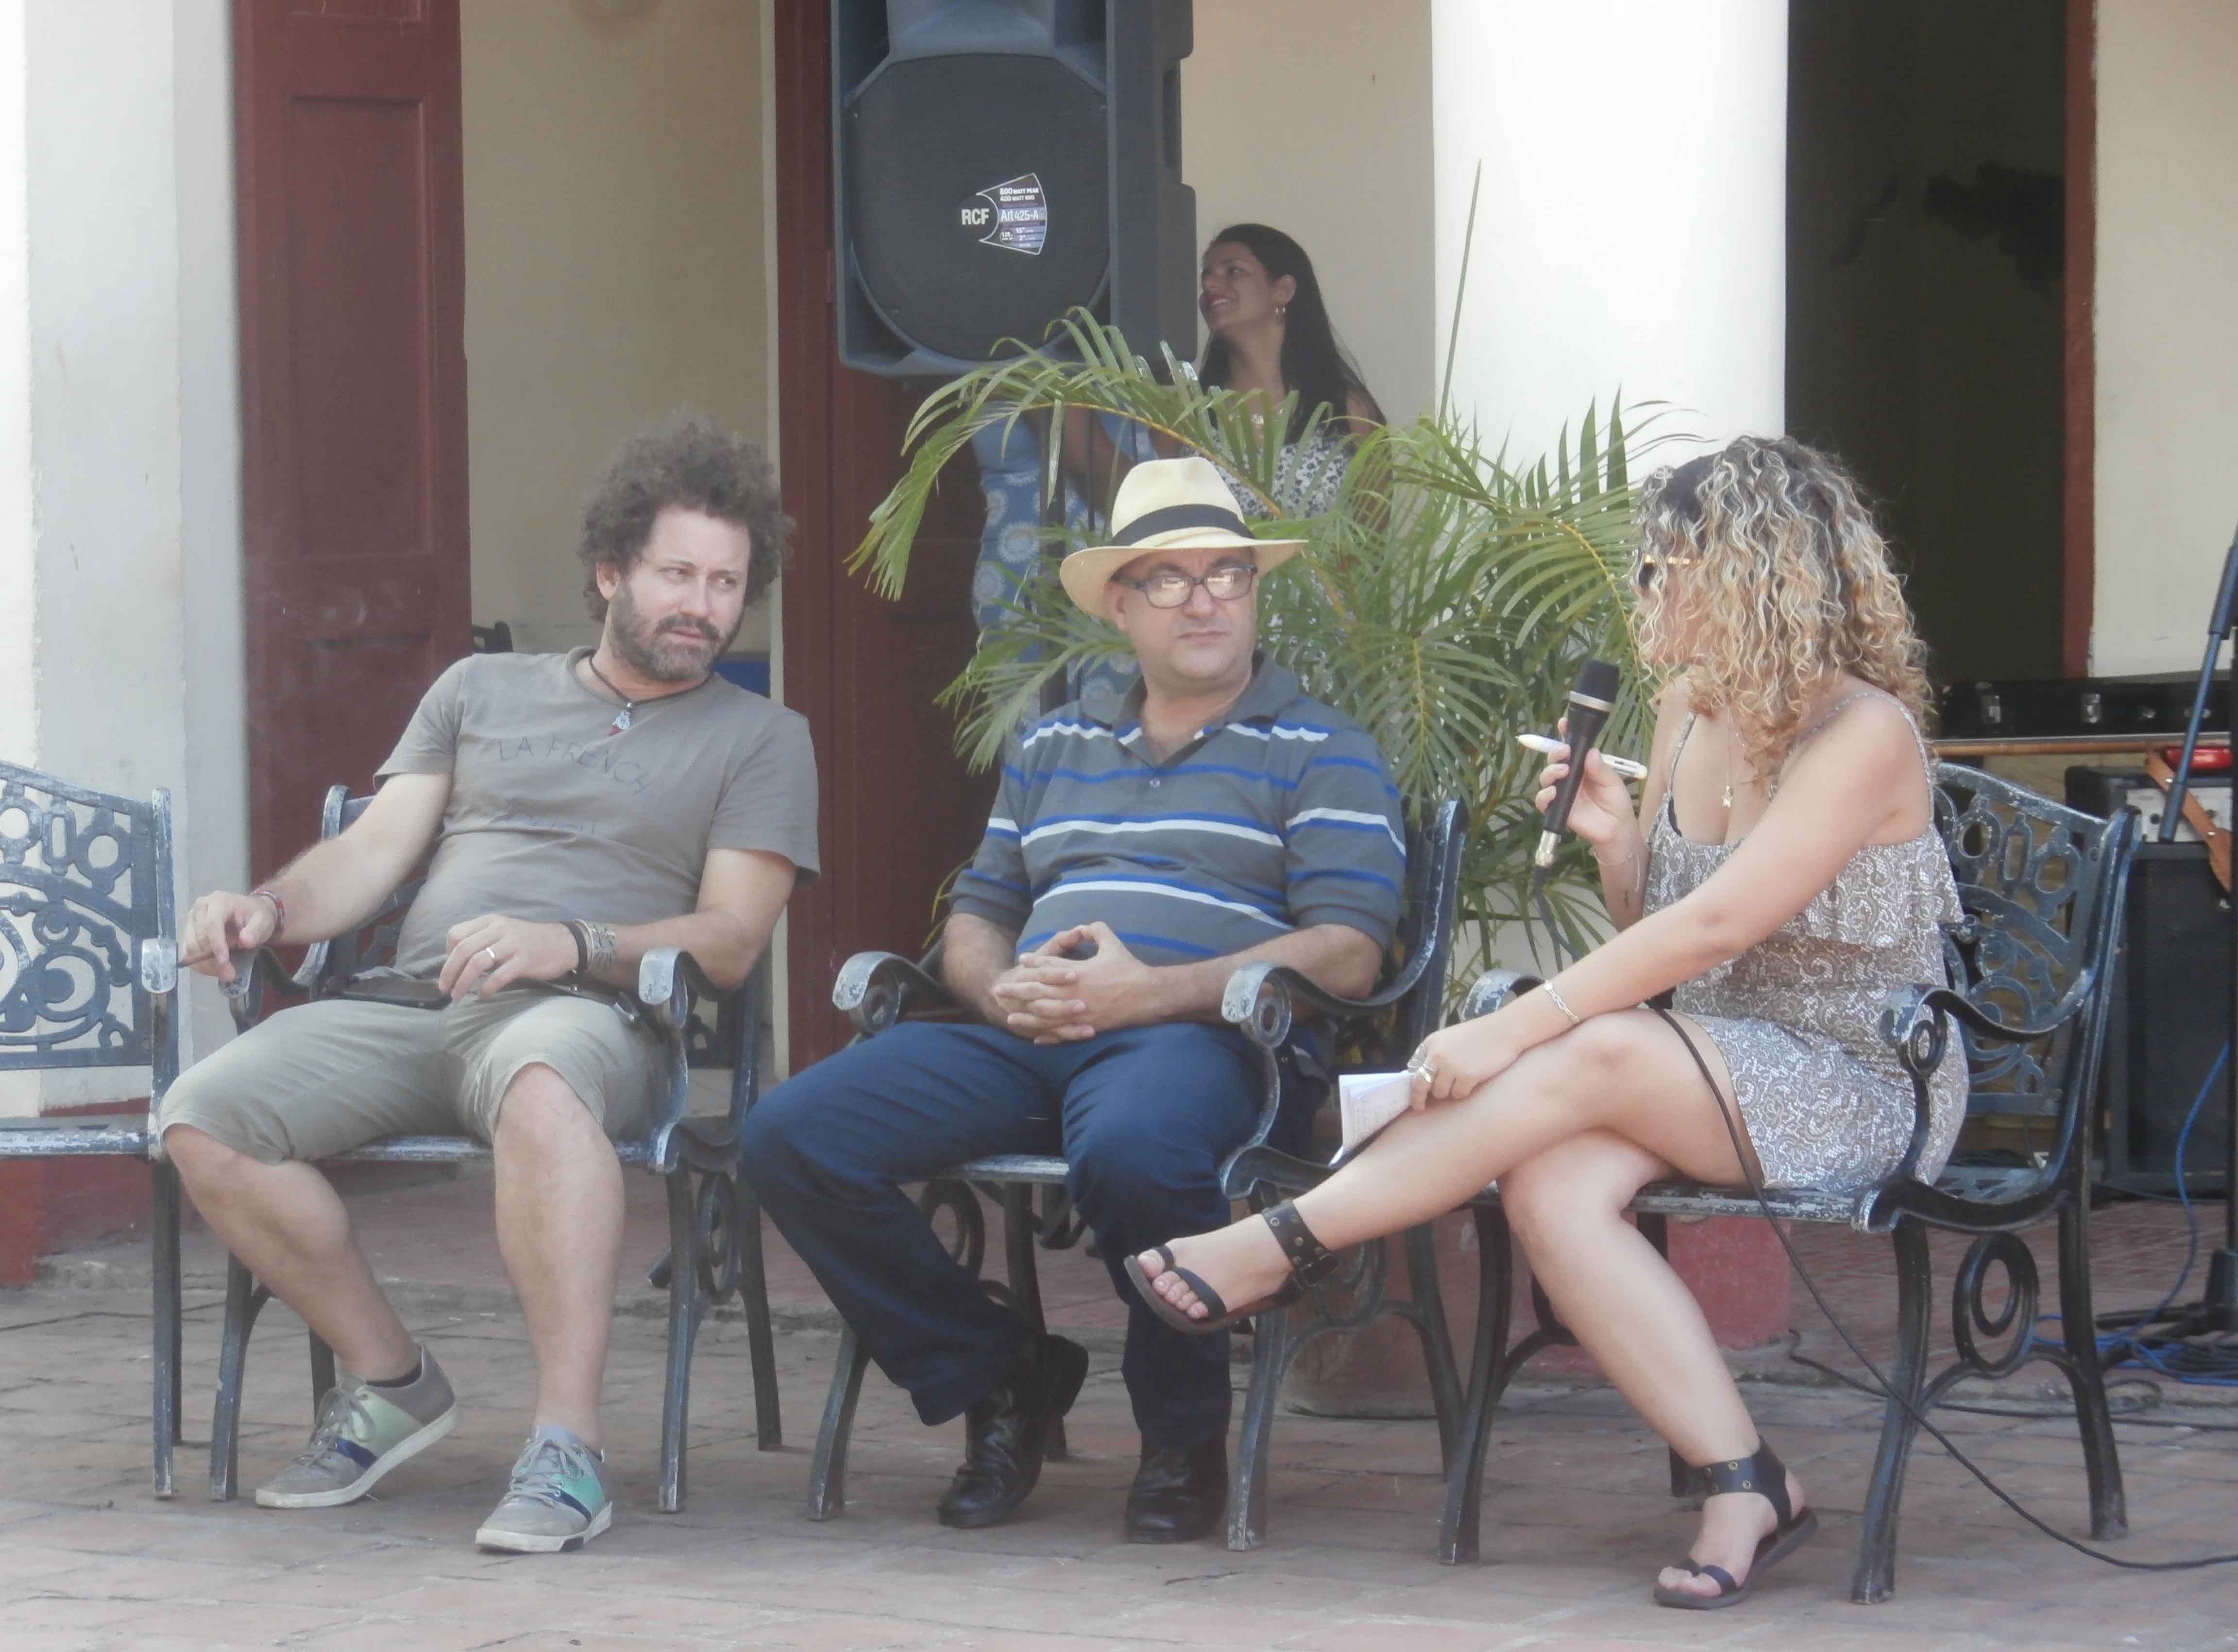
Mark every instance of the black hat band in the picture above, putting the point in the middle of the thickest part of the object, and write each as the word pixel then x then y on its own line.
pixel 1180 516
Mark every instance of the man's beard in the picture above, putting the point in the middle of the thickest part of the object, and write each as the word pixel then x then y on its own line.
pixel 672 651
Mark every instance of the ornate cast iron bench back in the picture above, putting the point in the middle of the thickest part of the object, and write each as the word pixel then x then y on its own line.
pixel 88 977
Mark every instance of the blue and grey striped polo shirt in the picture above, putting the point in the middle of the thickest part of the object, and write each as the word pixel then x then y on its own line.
pixel 1280 817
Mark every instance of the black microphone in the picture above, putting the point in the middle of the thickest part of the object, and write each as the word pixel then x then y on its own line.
pixel 1593 697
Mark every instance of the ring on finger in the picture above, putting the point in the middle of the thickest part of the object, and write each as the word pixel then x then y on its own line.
pixel 490 953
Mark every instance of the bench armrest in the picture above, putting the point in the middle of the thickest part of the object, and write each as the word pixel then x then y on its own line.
pixel 1496 989
pixel 1261 1000
pixel 1915 1023
pixel 875 989
pixel 261 971
pixel 669 980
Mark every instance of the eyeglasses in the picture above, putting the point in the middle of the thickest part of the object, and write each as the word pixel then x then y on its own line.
pixel 1647 571
pixel 1172 589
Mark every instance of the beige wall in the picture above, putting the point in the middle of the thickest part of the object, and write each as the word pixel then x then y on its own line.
pixel 614 192
pixel 2166 469
pixel 1313 116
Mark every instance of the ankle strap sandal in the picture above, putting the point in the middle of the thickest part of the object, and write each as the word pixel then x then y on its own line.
pixel 1765 1475
pixel 1310 1261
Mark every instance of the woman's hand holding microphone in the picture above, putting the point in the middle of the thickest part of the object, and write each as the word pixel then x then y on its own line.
pixel 1457 1061
pixel 1602 812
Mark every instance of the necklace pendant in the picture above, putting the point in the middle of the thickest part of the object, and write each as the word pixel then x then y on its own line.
pixel 1729 787
pixel 621 722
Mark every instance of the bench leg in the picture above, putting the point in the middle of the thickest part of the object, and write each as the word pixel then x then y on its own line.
pixel 684 1312
pixel 1247 1492
pixel 761 1342
pixel 324 1381
pixel 827 1475
pixel 2102 1457
pixel 244 1300
pixel 1426 1294
pixel 1458 1530
pixel 1024 1269
pixel 1874 1579
pixel 166 1319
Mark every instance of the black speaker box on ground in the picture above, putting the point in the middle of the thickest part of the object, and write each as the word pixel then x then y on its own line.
pixel 2167 1020
pixel 1000 162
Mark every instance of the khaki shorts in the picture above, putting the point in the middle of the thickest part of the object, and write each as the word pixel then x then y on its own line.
pixel 322 1078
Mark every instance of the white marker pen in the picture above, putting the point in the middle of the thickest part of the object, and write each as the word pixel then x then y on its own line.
pixel 1623 767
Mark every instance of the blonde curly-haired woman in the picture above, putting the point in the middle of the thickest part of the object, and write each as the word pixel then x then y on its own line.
pixel 1783 874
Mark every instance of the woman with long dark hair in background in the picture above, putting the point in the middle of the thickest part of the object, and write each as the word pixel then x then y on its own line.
pixel 1271 334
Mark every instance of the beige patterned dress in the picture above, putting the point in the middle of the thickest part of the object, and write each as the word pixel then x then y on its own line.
pixel 1796 1016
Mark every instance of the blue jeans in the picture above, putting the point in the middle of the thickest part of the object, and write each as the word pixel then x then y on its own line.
pixel 1143 1116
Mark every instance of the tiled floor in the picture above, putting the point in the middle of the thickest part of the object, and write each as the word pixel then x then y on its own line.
pixel 1576 1515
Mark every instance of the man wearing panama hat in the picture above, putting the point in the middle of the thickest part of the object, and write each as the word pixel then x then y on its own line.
pixel 1143 846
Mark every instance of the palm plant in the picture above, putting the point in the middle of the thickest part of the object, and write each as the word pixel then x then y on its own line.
pixel 1443 601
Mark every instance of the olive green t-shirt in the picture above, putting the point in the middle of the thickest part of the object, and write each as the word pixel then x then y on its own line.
pixel 552 816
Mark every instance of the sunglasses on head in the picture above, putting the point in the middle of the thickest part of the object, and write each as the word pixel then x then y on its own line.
pixel 1647 570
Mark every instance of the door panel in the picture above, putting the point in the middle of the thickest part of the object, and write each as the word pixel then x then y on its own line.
pixel 899 813
pixel 351 230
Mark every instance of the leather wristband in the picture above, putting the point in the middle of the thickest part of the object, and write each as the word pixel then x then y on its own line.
pixel 575 933
pixel 279 909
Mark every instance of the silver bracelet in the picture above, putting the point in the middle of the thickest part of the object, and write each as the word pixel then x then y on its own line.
pixel 604 948
pixel 1547 986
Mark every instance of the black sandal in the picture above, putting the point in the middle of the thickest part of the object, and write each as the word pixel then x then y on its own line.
pixel 1766 1475
pixel 1310 1263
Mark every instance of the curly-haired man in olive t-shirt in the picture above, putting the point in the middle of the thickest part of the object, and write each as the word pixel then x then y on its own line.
pixel 575 811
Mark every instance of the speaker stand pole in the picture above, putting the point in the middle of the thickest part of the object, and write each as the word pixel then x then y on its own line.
pixel 2216 1312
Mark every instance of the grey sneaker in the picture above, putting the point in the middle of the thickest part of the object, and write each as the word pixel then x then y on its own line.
pixel 362 1433
pixel 557 1501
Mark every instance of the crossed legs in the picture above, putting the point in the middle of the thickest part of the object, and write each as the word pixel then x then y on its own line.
pixel 1571 1132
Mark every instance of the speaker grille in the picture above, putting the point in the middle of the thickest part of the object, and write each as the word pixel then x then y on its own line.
pixel 951 260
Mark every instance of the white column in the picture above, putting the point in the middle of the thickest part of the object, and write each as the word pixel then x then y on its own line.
pixel 1631 231
pixel 119 510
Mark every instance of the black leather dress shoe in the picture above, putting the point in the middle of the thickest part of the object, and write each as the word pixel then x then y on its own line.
pixel 1006 1432
pixel 1179 1493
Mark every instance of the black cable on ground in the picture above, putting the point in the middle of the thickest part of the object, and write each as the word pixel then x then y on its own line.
pixel 1538 901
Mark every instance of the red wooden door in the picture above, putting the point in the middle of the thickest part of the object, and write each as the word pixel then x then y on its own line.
pixel 352 232
pixel 899 812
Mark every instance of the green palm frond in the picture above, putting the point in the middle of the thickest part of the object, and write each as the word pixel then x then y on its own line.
pixel 1443 601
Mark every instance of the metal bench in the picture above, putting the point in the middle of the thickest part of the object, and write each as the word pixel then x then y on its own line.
pixel 714 1220
pixel 88 977
pixel 2042 890
pixel 1263 1001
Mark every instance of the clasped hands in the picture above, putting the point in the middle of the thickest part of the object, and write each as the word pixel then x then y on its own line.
pixel 1053 998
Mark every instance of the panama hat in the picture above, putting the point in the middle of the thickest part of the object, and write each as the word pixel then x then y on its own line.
pixel 1167 504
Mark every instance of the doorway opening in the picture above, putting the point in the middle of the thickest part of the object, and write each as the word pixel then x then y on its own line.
pixel 1926 303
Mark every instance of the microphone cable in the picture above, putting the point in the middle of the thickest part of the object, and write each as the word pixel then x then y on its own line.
pixel 1881 1388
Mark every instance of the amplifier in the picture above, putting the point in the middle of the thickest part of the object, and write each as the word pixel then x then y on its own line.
pixel 2101 792
pixel 2170 1005
pixel 2055 707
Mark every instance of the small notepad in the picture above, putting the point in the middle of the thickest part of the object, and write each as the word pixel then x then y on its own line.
pixel 1365 1102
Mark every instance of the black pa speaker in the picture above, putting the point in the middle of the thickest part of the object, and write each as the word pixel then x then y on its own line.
pixel 2170 1004
pixel 998 162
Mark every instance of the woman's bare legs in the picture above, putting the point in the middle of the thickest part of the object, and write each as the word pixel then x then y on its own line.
pixel 1619 1094
pixel 1633 1314
pixel 1625 1074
